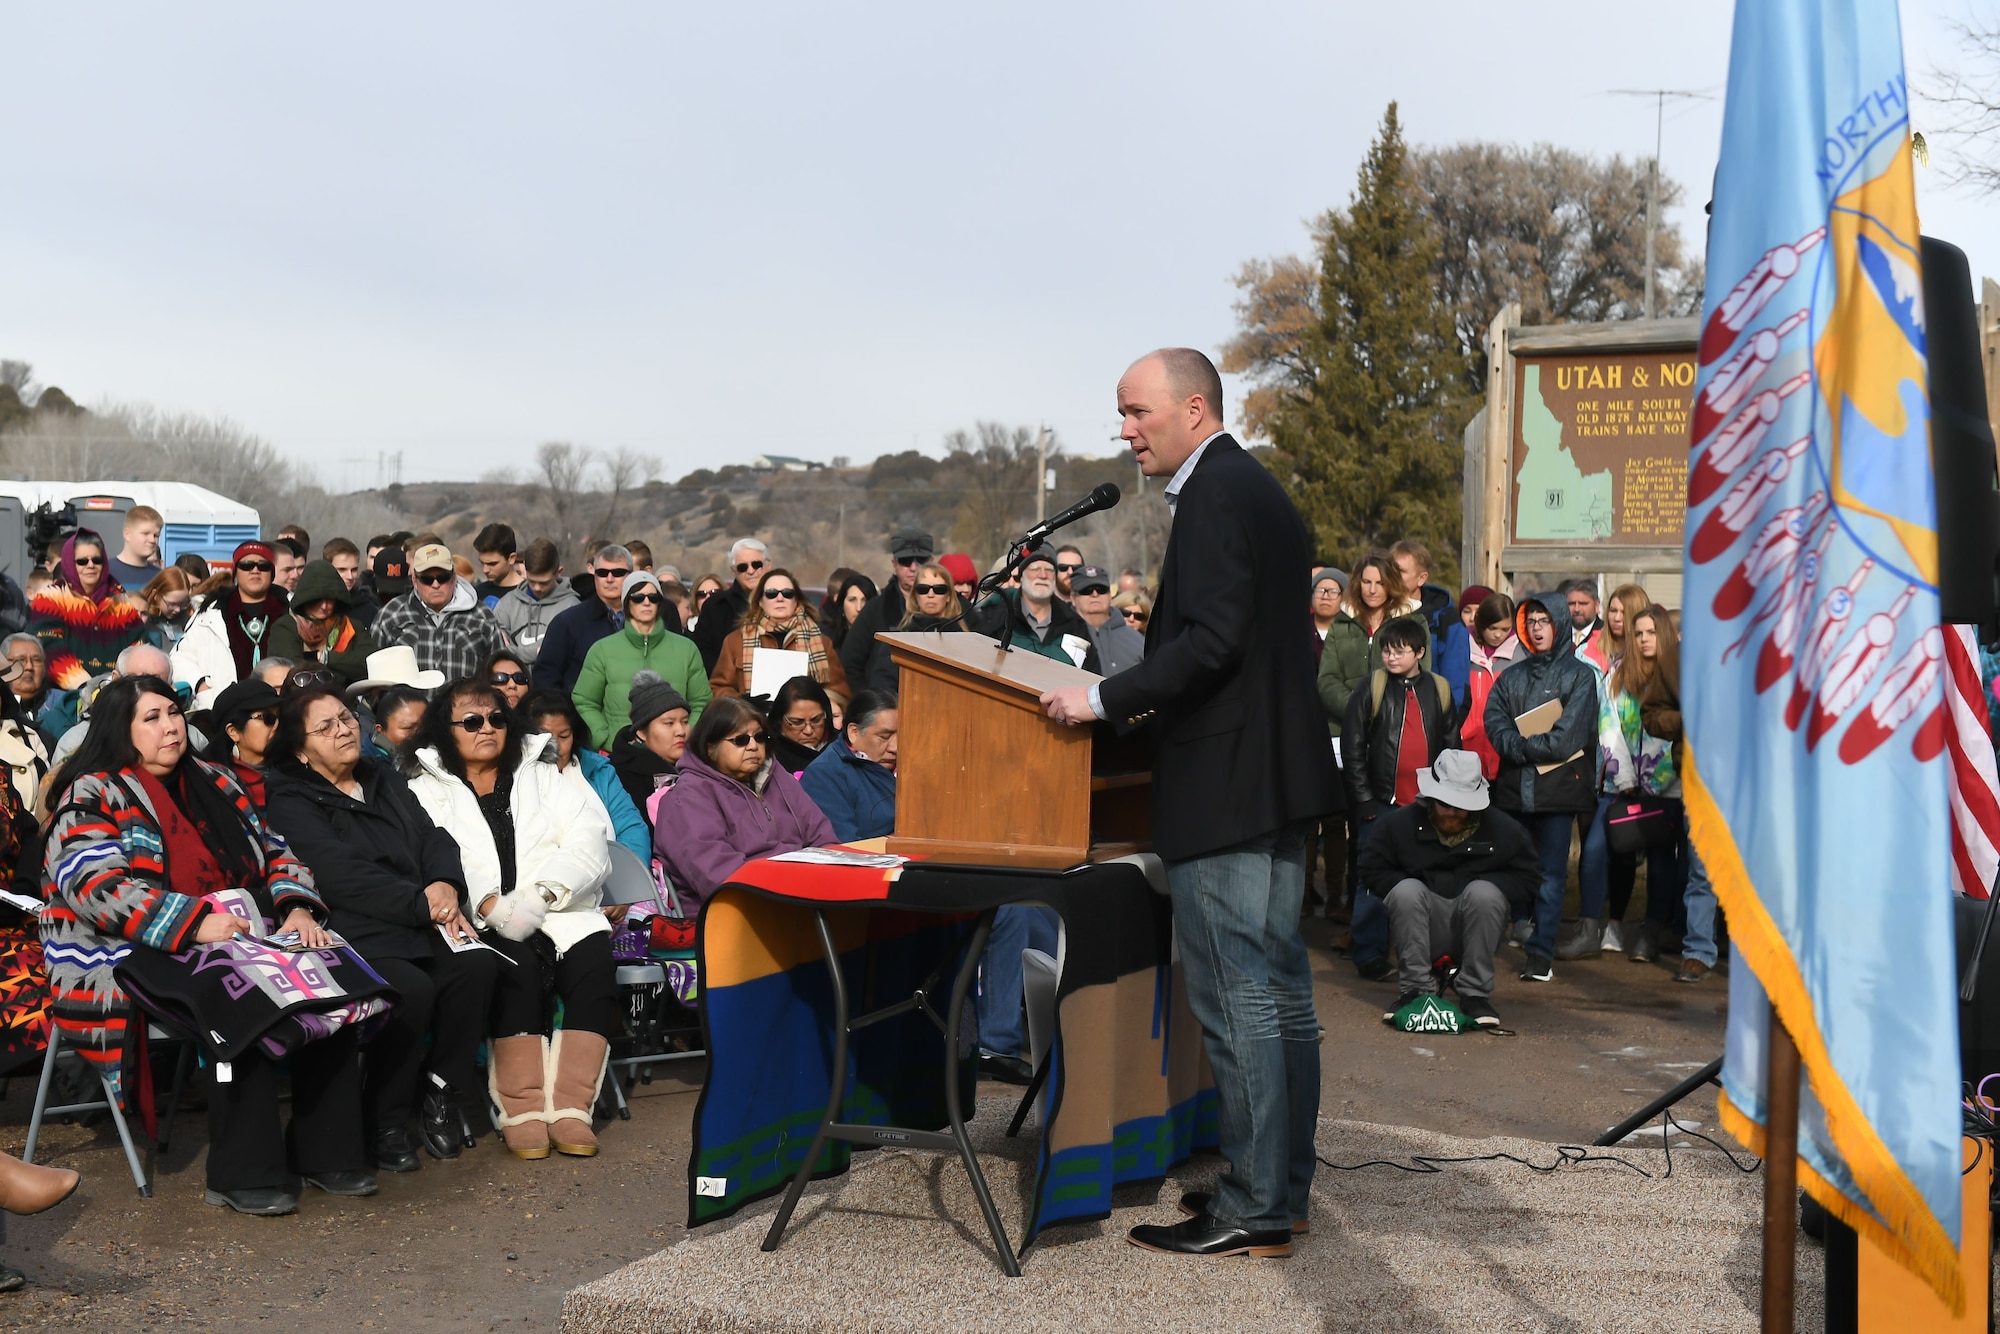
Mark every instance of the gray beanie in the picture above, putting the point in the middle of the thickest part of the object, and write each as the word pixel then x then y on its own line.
pixel 652 697
pixel 1328 574
pixel 637 580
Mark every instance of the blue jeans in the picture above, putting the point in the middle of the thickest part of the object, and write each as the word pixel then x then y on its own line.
pixel 1608 878
pixel 1016 927
pixel 1698 941
pixel 1551 834
pixel 1371 918
pixel 1249 984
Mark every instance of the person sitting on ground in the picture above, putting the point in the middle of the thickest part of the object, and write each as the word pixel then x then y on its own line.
pixel 1454 869
pixel 554 713
pixel 1033 618
pixel 245 719
pixel 529 608
pixel 318 628
pixel 932 606
pixel 168 599
pixel 644 643
pixel 646 754
pixel 440 618
pixel 534 849
pixel 1385 744
pixel 802 712
pixel 507 673
pixel 853 781
pixel 229 636
pixel 779 617
pixel 142 833
pixel 83 619
pixel 397 714
pixel 1118 645
pixel 138 562
pixel 396 889
pixel 730 804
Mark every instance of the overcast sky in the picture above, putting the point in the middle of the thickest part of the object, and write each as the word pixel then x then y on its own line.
pixel 708 232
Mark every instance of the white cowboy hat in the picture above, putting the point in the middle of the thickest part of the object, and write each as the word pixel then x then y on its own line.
pixel 1454 778
pixel 396 666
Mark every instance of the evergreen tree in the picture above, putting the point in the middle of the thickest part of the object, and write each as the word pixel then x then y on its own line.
pixel 1367 431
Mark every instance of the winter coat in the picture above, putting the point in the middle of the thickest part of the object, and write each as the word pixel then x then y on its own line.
pixel 732 667
pixel 718 619
pixel 1350 655
pixel 1118 645
pixel 598 773
pixel 346 647
pixel 570 636
pixel 105 879
pixel 1371 736
pixel 1452 659
pixel 527 618
pixel 603 692
pixel 1572 784
pixel 884 612
pixel 708 825
pixel 640 772
pixel 1660 709
pixel 857 795
pixel 883 673
pixel 1439 609
pixel 203 658
pixel 374 856
pixel 561 838
pixel 1404 845
pixel 1002 618
pixel 1628 757
pixel 1485 669
pixel 81 638
pixel 454 641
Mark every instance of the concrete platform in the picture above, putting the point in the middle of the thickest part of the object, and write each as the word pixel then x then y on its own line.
pixel 898 1245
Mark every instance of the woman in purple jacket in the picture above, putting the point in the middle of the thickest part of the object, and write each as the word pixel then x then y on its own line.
pixel 730 805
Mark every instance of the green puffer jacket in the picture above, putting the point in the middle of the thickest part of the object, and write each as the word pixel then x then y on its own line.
pixel 603 691
pixel 1350 656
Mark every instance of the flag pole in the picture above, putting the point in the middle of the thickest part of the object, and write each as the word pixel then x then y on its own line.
pixel 1781 1179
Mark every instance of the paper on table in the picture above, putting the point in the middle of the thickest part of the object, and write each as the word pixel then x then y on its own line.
pixel 1540 719
pixel 772 667
pixel 841 857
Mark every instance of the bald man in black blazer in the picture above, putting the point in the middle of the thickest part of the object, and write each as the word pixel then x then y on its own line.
pixel 1242 770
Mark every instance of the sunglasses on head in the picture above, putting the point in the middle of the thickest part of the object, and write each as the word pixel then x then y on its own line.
pixel 512 678
pixel 479 722
pixel 650 599
pixel 311 678
pixel 255 566
pixel 773 594
pixel 936 590
pixel 743 740
pixel 744 567
pixel 613 573
pixel 436 577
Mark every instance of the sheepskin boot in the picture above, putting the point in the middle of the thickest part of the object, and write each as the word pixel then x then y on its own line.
pixel 576 1067
pixel 516 1075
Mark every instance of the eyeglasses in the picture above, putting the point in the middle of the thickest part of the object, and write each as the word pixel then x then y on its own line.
pixel 744 740
pixel 613 573
pixel 512 678
pixel 911 560
pixel 650 599
pixel 255 566
pixel 744 567
pixel 436 577
pixel 812 724
pixel 773 594
pixel 88 560
pixel 931 590
pixel 172 606
pixel 1063 567
pixel 1544 621
pixel 479 722
pixel 340 722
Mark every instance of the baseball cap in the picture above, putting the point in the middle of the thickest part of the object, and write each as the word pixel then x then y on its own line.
pixel 1091 578
pixel 434 556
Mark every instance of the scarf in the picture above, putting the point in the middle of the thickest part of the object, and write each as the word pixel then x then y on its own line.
pixel 72 578
pixel 801 633
pixel 248 631
pixel 207 847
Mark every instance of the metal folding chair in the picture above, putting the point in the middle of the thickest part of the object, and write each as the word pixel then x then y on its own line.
pixel 142 1175
pixel 642 984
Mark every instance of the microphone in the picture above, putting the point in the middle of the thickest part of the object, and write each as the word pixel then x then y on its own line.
pixel 1103 498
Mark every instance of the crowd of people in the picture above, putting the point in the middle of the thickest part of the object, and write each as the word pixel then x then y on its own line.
pixel 391 751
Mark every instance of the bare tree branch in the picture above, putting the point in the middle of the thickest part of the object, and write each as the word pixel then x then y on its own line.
pixel 1969 98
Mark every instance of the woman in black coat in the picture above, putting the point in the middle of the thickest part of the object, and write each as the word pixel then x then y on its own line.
pixel 394 887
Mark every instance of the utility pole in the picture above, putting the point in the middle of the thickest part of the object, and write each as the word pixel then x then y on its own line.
pixel 1659 96
pixel 1041 474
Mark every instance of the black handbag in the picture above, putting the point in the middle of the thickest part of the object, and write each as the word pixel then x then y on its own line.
pixel 1641 822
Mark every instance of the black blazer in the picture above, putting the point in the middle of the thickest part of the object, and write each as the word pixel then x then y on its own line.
pixel 1240 745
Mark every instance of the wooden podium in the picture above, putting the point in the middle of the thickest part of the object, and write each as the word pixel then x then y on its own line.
pixel 985 778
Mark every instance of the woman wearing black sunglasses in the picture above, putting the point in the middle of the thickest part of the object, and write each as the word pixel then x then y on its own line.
pixel 83 619
pixel 536 850
pixel 506 673
pixel 933 603
pixel 645 643
pixel 779 616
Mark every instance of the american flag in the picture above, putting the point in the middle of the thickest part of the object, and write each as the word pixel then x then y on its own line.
pixel 1974 783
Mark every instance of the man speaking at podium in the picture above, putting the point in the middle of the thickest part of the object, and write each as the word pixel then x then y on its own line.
pixel 1239 775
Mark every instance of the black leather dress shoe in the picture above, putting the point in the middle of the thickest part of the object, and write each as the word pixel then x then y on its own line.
pixel 343 1183
pixel 262 1203
pixel 1194 1204
pixel 1006 1069
pixel 444 1127
pixel 393 1151
pixel 1200 1236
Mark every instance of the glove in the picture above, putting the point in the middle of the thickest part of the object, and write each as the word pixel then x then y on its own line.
pixel 518 914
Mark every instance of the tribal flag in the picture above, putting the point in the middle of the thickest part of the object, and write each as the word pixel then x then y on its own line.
pixel 1814 664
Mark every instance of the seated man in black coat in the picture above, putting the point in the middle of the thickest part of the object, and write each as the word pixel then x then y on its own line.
pixel 1452 867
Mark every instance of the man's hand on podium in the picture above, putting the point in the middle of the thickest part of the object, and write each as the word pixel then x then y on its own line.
pixel 1070 704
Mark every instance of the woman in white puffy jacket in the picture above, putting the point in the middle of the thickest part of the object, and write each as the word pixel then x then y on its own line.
pixel 535 848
